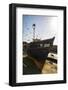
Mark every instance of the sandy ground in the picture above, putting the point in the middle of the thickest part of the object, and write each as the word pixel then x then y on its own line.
pixel 49 67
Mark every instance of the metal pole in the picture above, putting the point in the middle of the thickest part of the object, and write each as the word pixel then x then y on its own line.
pixel 33 32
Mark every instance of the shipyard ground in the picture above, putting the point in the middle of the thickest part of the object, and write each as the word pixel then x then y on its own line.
pixel 32 66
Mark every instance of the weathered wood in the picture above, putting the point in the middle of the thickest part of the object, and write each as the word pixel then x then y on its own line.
pixel 39 63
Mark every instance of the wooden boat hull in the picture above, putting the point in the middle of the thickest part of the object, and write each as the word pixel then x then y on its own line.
pixel 38 53
pixel 40 49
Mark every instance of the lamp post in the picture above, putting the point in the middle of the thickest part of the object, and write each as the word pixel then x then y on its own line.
pixel 33 26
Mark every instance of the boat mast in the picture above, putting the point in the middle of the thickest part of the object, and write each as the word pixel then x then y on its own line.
pixel 33 26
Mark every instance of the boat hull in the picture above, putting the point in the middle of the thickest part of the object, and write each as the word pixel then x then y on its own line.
pixel 40 49
pixel 38 53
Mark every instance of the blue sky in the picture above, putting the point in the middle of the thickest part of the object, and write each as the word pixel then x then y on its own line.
pixel 46 27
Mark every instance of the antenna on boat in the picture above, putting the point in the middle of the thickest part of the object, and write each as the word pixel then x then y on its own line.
pixel 33 26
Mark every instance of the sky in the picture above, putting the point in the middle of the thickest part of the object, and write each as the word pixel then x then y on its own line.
pixel 46 27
